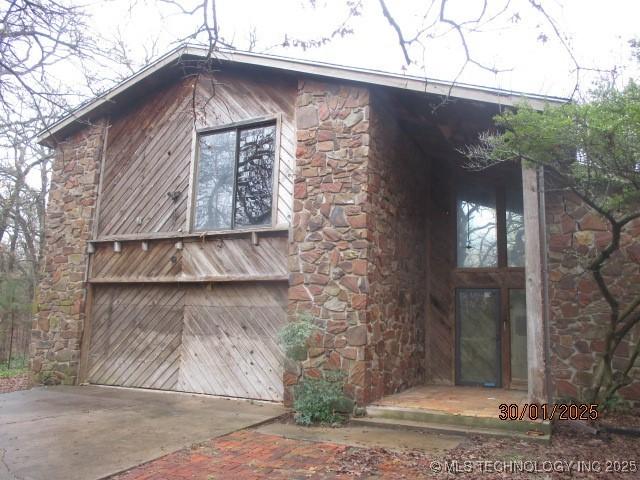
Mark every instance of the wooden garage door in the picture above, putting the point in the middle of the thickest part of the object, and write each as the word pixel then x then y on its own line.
pixel 217 339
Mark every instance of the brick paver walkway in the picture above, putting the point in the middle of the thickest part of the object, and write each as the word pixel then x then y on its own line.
pixel 243 455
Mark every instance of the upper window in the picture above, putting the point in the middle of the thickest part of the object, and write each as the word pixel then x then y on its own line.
pixel 490 225
pixel 515 227
pixel 477 229
pixel 234 181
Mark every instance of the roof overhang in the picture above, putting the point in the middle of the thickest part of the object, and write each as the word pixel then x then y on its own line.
pixel 171 63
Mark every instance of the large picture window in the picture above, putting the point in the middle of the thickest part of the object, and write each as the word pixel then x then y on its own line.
pixel 234 179
pixel 490 226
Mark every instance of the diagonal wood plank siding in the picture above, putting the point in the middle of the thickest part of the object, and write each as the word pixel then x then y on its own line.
pixel 149 148
pixel 136 336
pixel 199 259
pixel 229 341
pixel 218 339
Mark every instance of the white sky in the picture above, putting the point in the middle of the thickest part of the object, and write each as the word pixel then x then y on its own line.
pixel 597 31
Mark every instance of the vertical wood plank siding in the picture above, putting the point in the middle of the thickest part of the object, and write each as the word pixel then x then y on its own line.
pixel 217 340
pixel 149 149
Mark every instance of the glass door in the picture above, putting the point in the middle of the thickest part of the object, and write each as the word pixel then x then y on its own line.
pixel 488 280
pixel 478 337
pixel 518 333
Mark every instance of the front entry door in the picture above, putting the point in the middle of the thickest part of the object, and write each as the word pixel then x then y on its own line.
pixel 478 337
pixel 488 281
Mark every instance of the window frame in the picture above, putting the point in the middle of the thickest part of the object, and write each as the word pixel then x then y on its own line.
pixel 276 121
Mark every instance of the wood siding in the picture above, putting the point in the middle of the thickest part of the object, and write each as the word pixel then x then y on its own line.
pixel 136 336
pixel 149 149
pixel 217 340
pixel 213 259
pixel 230 341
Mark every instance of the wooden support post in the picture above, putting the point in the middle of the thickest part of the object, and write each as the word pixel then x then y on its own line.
pixel 85 343
pixel 535 254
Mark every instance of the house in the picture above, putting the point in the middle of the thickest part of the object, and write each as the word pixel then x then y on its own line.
pixel 194 211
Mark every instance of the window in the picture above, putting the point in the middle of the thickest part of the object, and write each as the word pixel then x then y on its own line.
pixel 515 227
pixel 234 180
pixel 490 226
pixel 477 235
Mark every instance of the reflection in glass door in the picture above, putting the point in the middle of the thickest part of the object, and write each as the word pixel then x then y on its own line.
pixel 478 337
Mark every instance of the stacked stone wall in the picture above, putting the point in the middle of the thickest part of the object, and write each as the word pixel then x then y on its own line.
pixel 59 321
pixel 397 208
pixel 578 313
pixel 328 254
pixel 356 256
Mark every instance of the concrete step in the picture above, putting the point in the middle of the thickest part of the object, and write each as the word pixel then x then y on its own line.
pixel 450 423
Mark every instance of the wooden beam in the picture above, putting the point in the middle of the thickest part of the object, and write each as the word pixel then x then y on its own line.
pixel 534 228
pixel 137 237
pixel 192 279
pixel 85 343
pixel 103 160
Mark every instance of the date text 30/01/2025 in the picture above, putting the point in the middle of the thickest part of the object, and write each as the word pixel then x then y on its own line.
pixel 545 411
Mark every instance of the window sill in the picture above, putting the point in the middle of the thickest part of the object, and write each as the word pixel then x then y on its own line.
pixel 487 269
pixel 245 232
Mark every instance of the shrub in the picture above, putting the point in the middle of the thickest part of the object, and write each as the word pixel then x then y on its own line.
pixel 321 400
pixel 293 337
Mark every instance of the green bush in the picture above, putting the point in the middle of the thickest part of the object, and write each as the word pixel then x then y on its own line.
pixel 293 337
pixel 321 400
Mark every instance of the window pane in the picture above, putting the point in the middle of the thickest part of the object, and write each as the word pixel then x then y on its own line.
pixel 518 319
pixel 515 227
pixel 478 317
pixel 477 237
pixel 255 176
pixel 213 207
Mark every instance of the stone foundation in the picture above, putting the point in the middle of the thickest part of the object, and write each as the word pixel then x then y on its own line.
pixel 58 324
pixel 579 314
pixel 14 384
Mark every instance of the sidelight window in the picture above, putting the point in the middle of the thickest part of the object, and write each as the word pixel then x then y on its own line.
pixel 234 178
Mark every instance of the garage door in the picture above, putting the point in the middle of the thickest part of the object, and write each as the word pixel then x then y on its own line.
pixel 217 339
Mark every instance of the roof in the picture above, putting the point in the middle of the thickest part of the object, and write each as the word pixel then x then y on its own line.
pixel 140 82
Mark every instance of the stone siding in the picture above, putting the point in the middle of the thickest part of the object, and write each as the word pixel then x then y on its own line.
pixel 328 254
pixel 579 314
pixel 396 219
pixel 352 256
pixel 58 324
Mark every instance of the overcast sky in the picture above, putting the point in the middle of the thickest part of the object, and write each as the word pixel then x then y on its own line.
pixel 597 31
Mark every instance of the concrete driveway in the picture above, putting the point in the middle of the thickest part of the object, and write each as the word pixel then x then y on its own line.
pixel 90 432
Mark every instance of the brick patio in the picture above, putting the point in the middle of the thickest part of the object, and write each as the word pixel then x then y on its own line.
pixel 248 454
pixel 245 454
